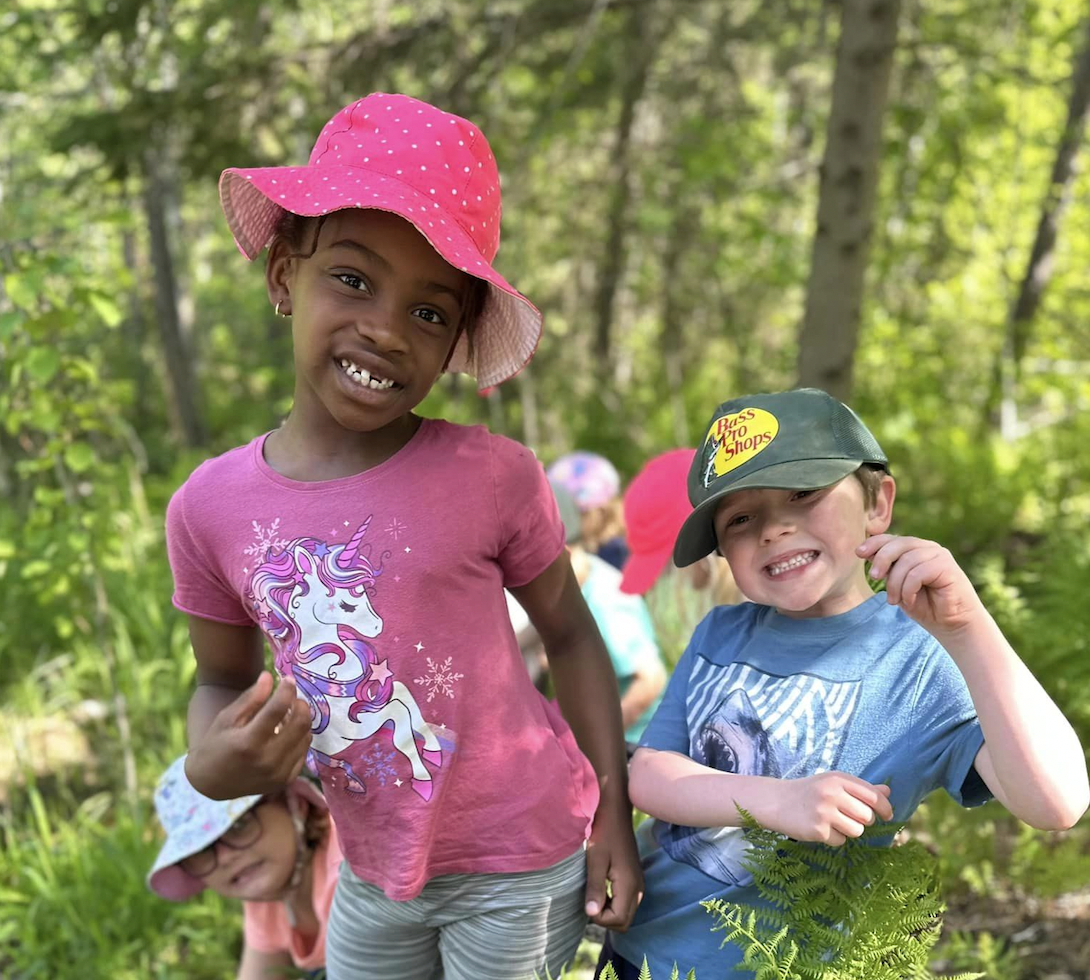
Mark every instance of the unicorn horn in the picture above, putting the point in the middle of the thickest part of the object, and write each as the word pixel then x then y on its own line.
pixel 347 557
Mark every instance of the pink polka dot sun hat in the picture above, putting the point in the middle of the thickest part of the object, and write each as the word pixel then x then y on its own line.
pixel 430 167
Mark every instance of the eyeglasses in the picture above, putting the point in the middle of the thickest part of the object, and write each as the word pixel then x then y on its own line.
pixel 246 830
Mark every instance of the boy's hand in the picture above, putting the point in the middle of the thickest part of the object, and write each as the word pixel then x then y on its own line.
pixel 828 808
pixel 611 854
pixel 256 744
pixel 923 578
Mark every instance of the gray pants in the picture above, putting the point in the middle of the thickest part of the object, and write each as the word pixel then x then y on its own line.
pixel 460 927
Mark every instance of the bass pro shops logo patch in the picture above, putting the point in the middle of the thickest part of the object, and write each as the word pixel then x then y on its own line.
pixel 735 439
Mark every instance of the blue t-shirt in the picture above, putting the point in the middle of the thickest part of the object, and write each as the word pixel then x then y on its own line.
pixel 868 692
pixel 626 628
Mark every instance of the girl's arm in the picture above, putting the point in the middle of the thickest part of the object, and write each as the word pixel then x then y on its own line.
pixel 586 689
pixel 263 966
pixel 241 740
pixel 1031 760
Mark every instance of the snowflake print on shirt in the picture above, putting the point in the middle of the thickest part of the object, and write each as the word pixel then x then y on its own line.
pixel 378 764
pixel 439 679
pixel 265 540
pixel 313 600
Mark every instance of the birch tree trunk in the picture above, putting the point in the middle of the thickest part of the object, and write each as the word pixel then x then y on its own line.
pixel 849 178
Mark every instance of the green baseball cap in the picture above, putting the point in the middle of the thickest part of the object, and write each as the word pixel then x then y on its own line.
pixel 789 440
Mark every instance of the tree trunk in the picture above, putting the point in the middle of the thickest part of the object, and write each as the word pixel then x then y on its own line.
pixel 1003 396
pixel 179 361
pixel 672 338
pixel 640 54
pixel 1057 197
pixel 849 179
pixel 531 427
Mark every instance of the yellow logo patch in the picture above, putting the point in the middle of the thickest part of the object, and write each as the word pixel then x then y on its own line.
pixel 736 439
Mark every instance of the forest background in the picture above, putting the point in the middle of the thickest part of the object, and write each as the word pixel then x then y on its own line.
pixel 665 163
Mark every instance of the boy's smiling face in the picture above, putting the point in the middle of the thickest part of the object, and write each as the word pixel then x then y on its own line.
pixel 795 549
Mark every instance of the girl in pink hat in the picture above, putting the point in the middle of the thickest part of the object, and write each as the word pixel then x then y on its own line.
pixel 370 548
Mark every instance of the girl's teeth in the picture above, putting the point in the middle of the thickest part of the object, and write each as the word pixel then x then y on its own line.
pixel 363 377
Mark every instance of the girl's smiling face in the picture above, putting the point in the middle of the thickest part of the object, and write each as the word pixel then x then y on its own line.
pixel 375 314
pixel 795 549
pixel 260 871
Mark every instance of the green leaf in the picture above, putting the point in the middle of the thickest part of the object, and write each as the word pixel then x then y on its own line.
pixel 23 289
pixel 79 457
pixel 9 322
pixel 43 363
pixel 32 569
pixel 107 309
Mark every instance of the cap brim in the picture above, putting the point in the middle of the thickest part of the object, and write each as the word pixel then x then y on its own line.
pixel 641 570
pixel 697 535
pixel 509 328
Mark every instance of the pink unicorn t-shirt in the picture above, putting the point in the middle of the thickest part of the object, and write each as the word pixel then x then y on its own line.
pixel 382 595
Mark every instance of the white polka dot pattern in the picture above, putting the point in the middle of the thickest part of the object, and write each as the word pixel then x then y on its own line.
pixel 435 169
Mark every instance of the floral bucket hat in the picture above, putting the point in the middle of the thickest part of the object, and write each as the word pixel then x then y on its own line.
pixel 430 167
pixel 192 821
pixel 591 479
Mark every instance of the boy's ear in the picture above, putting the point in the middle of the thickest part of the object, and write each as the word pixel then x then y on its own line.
pixel 881 513
pixel 279 273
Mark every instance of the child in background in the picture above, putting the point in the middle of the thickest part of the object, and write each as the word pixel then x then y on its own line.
pixel 370 547
pixel 655 506
pixel 278 854
pixel 595 485
pixel 820 706
pixel 623 622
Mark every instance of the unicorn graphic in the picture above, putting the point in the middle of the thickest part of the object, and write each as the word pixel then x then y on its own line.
pixel 313 601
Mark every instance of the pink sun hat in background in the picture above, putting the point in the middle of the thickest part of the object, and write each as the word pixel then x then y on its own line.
pixel 432 168
pixel 656 504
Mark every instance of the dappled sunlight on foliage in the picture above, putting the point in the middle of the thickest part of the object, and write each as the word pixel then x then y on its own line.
pixel 702 264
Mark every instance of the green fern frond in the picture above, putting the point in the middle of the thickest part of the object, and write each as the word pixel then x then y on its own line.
pixel 645 970
pixel 862 911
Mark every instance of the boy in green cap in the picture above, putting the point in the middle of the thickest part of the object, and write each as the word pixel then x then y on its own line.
pixel 820 706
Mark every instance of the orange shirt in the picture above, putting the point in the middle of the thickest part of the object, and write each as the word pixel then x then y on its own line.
pixel 266 924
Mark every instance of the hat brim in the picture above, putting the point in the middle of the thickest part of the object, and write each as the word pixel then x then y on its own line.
pixel 509 328
pixel 642 570
pixel 696 539
pixel 169 880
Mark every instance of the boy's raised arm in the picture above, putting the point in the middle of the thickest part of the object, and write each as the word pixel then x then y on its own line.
pixel 1031 759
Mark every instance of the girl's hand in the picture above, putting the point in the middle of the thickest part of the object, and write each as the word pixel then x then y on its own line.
pixel 256 744
pixel 612 856
pixel 923 578
pixel 827 808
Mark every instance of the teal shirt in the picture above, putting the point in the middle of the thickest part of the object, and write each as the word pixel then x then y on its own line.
pixel 626 627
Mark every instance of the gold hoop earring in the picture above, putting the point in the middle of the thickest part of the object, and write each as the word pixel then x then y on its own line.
pixel 278 313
